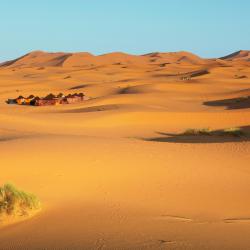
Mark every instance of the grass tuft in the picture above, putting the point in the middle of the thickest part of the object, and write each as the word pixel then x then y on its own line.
pixel 206 131
pixel 233 131
pixel 203 131
pixel 16 202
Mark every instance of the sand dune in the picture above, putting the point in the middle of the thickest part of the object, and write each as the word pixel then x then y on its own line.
pixel 115 172
pixel 176 57
pixel 38 59
pixel 84 59
pixel 239 55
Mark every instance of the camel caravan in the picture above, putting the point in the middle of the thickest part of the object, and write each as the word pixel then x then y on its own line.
pixel 48 100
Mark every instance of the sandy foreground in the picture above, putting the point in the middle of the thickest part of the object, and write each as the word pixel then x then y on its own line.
pixel 106 171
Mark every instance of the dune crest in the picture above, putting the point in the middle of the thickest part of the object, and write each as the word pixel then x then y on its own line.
pixel 238 55
pixel 85 59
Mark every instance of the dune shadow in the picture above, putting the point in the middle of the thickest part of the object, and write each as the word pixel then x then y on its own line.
pixel 217 136
pixel 99 108
pixel 129 90
pixel 233 103
pixel 190 74
pixel 59 61
pixel 82 86
pixel 13 138
pixel 127 80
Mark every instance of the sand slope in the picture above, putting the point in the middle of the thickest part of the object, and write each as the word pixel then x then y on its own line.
pixel 239 55
pixel 108 175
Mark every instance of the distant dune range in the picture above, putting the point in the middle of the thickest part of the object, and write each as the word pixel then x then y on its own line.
pixel 118 171
pixel 44 59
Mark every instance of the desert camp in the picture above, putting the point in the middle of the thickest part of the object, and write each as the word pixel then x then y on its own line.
pixel 50 99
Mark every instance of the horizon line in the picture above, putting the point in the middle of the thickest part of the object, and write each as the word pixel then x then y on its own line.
pixel 121 52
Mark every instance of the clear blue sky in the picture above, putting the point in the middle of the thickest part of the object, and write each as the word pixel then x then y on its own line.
pixel 208 28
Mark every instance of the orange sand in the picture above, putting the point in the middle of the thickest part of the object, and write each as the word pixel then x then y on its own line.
pixel 103 184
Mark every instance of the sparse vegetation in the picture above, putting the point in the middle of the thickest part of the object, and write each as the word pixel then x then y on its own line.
pixel 234 131
pixel 16 202
pixel 203 131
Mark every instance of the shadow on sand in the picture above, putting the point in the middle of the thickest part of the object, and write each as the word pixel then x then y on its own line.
pixel 234 103
pixel 82 86
pixel 216 136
